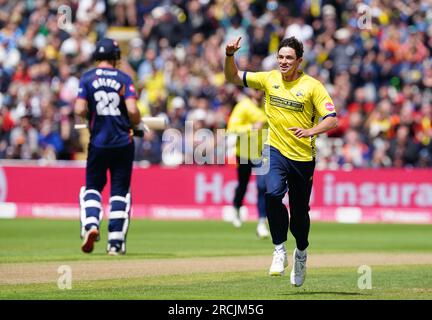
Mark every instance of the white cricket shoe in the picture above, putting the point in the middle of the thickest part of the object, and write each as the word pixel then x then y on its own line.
pixel 262 231
pixel 90 237
pixel 113 251
pixel 236 219
pixel 298 273
pixel 279 263
pixel 116 249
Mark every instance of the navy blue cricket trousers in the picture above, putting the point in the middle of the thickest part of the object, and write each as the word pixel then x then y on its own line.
pixel 295 177
pixel 244 171
pixel 118 161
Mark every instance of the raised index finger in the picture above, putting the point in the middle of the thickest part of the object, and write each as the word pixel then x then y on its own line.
pixel 238 41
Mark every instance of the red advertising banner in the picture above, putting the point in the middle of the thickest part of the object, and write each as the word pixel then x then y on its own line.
pixel 206 192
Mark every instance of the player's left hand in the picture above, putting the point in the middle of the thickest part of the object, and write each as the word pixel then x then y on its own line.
pixel 300 132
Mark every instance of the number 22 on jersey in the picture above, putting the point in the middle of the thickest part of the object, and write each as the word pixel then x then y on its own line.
pixel 107 103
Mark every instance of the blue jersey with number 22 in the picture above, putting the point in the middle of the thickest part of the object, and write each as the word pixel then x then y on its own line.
pixel 106 90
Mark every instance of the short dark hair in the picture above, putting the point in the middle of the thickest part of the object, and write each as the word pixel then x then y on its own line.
pixel 294 43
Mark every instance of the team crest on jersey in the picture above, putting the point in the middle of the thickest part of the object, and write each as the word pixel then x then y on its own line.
pixel 132 88
pixel 300 93
pixel 329 106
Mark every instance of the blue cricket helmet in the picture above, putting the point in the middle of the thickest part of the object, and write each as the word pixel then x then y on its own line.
pixel 107 49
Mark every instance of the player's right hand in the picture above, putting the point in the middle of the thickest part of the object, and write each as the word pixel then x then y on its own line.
pixel 138 132
pixel 232 46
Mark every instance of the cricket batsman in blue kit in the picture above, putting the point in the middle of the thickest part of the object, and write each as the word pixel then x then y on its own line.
pixel 107 98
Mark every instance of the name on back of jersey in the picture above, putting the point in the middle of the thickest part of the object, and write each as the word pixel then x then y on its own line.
pixel 106 82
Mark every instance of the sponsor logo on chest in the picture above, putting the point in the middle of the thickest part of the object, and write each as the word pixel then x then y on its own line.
pixel 286 103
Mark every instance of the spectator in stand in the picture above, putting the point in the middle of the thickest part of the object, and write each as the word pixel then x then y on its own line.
pixel 403 150
pixel 23 141
pixel 49 141
pixel 355 153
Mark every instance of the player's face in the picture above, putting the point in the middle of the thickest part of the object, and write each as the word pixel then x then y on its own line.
pixel 287 60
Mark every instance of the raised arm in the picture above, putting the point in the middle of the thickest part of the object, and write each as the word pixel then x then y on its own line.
pixel 232 74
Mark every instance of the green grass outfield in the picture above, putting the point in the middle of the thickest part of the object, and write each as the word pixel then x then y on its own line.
pixel 37 242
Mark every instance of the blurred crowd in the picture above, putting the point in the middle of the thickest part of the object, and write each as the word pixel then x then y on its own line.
pixel 373 56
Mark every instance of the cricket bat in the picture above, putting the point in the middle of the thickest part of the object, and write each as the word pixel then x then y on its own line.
pixel 149 123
